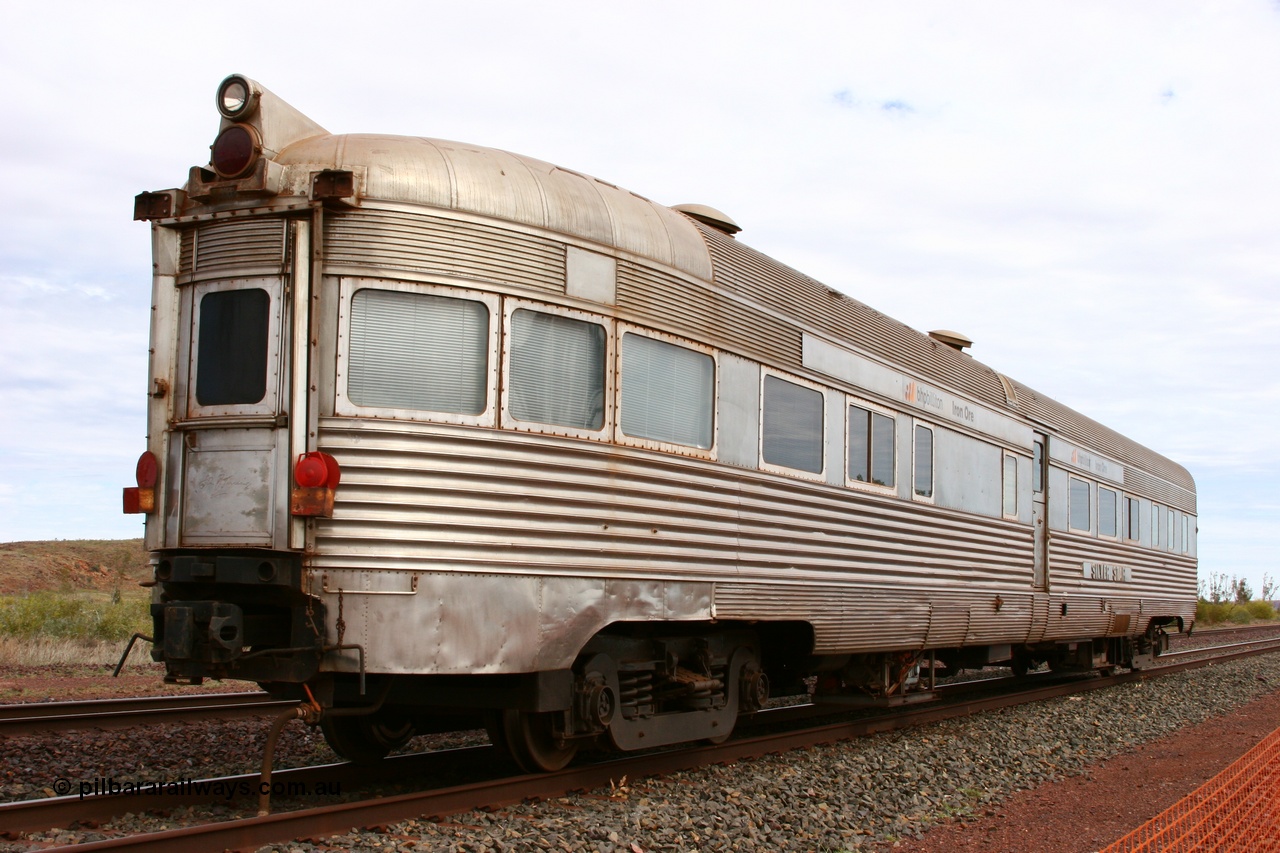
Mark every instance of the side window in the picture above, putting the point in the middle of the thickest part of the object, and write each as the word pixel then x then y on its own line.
pixel 1080 505
pixel 922 462
pixel 418 351
pixel 557 369
pixel 792 425
pixel 668 392
pixel 871 447
pixel 1157 541
pixel 1010 480
pixel 1133 516
pixel 1172 539
pixel 1107 500
pixel 1186 534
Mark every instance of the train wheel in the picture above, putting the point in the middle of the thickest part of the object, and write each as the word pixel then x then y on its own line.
pixel 365 739
pixel 531 740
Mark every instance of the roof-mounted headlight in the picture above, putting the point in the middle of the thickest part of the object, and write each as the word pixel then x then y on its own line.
pixel 237 98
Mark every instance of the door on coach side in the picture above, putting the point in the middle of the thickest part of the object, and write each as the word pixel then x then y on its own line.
pixel 1039 514
pixel 231 445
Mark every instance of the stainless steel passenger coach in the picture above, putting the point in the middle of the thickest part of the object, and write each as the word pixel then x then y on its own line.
pixel 436 429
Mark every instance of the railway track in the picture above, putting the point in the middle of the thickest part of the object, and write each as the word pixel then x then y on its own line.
pixel 496 790
pixel 38 717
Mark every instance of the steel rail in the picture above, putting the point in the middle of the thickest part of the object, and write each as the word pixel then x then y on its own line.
pixel 1261 645
pixel 38 717
pixel 249 833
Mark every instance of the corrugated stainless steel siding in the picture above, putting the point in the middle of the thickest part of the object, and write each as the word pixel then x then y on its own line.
pixel 745 271
pixel 701 313
pixel 426 497
pixel 1177 488
pixel 869 572
pixel 398 240
pixel 240 245
pixel 1155 573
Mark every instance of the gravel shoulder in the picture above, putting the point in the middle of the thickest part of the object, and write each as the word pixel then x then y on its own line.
pixel 1066 775
pixel 1088 812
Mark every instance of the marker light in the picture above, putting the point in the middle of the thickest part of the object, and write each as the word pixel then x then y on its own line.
pixel 235 151
pixel 236 98
pixel 316 470
pixel 148 470
pixel 316 475
pixel 142 498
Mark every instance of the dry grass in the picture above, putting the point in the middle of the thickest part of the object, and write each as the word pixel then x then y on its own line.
pixel 53 651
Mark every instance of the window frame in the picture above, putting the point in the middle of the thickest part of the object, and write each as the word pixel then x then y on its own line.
pixel 773 467
pixel 343 405
pixel 618 379
pixel 1005 458
pixel 509 421
pixel 270 402
pixel 916 427
pixel 1132 509
pixel 873 409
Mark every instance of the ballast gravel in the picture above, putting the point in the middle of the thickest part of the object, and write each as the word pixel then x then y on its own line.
pixel 857 795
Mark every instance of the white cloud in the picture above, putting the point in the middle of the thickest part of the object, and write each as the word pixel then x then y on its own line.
pixel 1088 189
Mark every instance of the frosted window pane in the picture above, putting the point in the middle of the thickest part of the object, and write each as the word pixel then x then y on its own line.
pixel 792 425
pixel 1079 505
pixel 418 351
pixel 924 462
pixel 1106 512
pixel 1010 485
pixel 557 370
pixel 668 392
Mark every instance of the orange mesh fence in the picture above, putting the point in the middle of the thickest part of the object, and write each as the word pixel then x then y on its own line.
pixel 1237 810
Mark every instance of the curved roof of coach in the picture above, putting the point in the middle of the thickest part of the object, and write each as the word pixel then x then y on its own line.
pixel 490 182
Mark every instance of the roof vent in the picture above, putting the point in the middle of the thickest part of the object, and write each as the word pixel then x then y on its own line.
pixel 955 340
pixel 709 216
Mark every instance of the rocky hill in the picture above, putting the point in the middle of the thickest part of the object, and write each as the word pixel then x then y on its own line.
pixel 72 564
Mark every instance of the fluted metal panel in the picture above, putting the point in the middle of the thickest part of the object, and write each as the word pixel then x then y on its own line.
pixel 690 308
pixel 783 291
pixel 427 497
pixel 246 246
pixel 401 240
pixel 1155 573
pixel 1146 472
pixel 745 271
pixel 863 568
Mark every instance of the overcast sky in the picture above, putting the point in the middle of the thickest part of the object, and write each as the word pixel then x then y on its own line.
pixel 1089 190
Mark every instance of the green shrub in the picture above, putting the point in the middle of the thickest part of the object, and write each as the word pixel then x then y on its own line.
pixel 1211 613
pixel 1261 609
pixel 73 617
pixel 1240 616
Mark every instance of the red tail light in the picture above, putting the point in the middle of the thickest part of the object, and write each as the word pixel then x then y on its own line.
pixel 142 498
pixel 316 475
